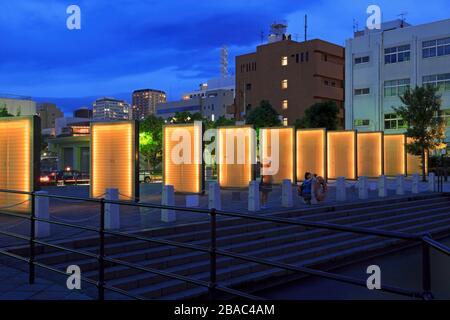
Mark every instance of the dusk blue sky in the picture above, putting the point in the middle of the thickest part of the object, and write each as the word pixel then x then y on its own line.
pixel 169 45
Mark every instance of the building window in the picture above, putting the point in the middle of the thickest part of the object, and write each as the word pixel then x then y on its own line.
pixel 307 56
pixel 446 117
pixel 394 122
pixel 361 92
pixel 433 48
pixel 441 81
pixel 284 84
pixel 285 122
pixel 360 60
pixel 362 122
pixel 396 88
pixel 248 86
pixel 397 54
pixel 284 104
pixel 284 61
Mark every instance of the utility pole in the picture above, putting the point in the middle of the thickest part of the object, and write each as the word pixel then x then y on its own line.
pixel 306 27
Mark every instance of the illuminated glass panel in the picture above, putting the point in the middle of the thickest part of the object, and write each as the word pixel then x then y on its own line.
pixel 341 154
pixel 113 159
pixel 394 155
pixel 370 154
pixel 414 163
pixel 311 152
pixel 277 146
pixel 16 162
pixel 236 154
pixel 182 157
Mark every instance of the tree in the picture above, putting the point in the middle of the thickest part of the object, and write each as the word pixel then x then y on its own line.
pixel 263 116
pixel 320 115
pixel 422 113
pixel 185 117
pixel 4 112
pixel 150 140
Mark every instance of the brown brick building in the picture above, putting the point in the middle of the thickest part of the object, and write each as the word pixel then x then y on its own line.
pixel 292 76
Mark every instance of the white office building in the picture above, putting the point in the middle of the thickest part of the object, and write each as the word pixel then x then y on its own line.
pixel 382 64
pixel 111 109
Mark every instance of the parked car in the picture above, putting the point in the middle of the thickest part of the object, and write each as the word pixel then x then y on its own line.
pixel 145 177
pixel 64 177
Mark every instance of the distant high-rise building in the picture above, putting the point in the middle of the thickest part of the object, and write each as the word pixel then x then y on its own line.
pixel 111 109
pixel 48 112
pixel 83 112
pixel 144 102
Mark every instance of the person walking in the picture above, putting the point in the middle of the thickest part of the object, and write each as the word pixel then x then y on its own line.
pixel 305 188
pixel 265 187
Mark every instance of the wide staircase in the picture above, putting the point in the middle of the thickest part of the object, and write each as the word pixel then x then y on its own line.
pixel 296 245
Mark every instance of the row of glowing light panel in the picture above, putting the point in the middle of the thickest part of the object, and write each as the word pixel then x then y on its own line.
pixel 329 154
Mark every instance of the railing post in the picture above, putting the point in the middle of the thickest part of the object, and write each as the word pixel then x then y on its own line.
pixel 212 254
pixel 101 256
pixel 426 272
pixel 32 238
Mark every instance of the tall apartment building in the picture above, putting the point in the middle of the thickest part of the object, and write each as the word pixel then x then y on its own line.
pixel 291 75
pixel 111 109
pixel 382 64
pixel 48 112
pixel 144 102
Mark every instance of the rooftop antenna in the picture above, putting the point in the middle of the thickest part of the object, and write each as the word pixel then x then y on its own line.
pixel 262 37
pixel 402 16
pixel 296 36
pixel 224 61
pixel 306 27
pixel 355 25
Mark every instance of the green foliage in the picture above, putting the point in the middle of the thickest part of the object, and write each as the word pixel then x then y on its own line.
pixel 320 115
pixel 150 140
pixel 4 112
pixel 263 116
pixel 185 117
pixel 421 111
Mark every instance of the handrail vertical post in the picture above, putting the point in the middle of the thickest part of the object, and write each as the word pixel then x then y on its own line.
pixel 212 254
pixel 31 266
pixel 101 256
pixel 426 272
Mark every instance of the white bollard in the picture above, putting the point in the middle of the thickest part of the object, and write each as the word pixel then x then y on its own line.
pixel 253 197
pixel 382 187
pixel 400 185
pixel 286 194
pixel 415 183
pixel 363 188
pixel 168 199
pixel 431 182
pixel 42 212
pixel 341 189
pixel 214 198
pixel 112 211
pixel 192 201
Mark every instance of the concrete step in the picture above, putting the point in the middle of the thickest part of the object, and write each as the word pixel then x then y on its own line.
pixel 306 249
pixel 256 273
pixel 241 242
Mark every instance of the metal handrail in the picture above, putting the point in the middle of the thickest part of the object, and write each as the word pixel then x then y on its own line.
pixel 212 285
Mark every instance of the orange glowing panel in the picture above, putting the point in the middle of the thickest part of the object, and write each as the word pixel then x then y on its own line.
pixel 311 152
pixel 236 156
pixel 115 159
pixel 370 154
pixel 182 157
pixel 394 155
pixel 341 154
pixel 19 166
pixel 414 162
pixel 277 153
